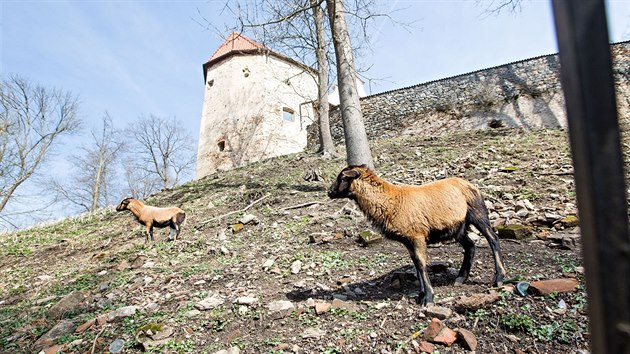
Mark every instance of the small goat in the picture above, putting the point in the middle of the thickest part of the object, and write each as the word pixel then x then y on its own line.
pixel 150 217
pixel 421 215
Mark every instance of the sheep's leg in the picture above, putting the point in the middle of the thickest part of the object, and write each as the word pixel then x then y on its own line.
pixel 179 229
pixel 178 220
pixel 149 233
pixel 418 255
pixel 493 241
pixel 174 230
pixel 469 255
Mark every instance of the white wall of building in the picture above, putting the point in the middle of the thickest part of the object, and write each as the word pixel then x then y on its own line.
pixel 244 100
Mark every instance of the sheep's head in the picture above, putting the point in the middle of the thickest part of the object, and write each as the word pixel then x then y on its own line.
pixel 342 186
pixel 123 205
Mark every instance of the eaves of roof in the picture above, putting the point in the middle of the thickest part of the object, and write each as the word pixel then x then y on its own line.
pixel 237 44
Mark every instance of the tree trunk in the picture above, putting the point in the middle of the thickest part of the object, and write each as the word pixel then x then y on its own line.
pixel 100 166
pixel 96 191
pixel 165 177
pixel 357 147
pixel 327 145
pixel 9 194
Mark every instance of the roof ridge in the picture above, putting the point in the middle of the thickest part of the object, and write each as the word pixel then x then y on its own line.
pixel 253 42
pixel 236 42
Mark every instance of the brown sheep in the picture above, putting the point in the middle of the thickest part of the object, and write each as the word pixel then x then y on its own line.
pixel 421 215
pixel 150 217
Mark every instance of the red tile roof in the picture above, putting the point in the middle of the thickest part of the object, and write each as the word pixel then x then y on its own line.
pixel 236 42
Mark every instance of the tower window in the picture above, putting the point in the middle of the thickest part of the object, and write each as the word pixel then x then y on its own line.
pixel 210 83
pixel 288 114
pixel 221 145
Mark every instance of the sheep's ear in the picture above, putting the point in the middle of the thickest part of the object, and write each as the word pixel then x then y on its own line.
pixel 351 173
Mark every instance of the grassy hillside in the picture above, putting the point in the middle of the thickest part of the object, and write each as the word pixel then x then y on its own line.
pixel 219 286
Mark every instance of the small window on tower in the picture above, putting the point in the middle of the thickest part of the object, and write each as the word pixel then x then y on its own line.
pixel 210 82
pixel 288 114
pixel 221 145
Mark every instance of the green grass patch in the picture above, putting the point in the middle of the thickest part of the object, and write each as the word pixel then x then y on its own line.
pixel 564 331
pixel 297 225
pixel 517 322
pixel 121 278
pixel 372 262
pixel 333 260
pixel 194 269
pixel 566 263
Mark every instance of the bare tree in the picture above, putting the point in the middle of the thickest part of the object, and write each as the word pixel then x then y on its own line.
pixel 161 148
pixel 140 183
pixel 495 7
pixel 327 145
pixel 357 146
pixel 92 179
pixel 32 119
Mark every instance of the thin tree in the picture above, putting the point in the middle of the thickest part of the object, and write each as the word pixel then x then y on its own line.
pixel 140 183
pixel 357 146
pixel 327 145
pixel 33 118
pixel 161 148
pixel 92 179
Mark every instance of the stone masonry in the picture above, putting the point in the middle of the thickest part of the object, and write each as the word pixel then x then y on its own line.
pixel 525 94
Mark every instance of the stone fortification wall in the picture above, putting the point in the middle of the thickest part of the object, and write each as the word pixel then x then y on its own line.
pixel 524 94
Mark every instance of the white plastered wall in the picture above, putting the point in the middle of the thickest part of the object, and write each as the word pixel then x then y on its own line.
pixel 243 103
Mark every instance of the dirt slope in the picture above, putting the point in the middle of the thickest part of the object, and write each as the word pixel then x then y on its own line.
pixel 218 287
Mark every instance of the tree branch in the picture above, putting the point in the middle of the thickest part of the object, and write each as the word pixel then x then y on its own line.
pixel 234 212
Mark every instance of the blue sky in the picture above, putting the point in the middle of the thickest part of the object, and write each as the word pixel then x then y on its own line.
pixel 134 58
pixel 456 37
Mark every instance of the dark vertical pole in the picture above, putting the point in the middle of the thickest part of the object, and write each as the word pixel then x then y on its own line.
pixel 587 81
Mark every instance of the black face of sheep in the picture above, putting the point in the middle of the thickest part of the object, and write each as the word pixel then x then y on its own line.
pixel 123 204
pixel 419 215
pixel 341 187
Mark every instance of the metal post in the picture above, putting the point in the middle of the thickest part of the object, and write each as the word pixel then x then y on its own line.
pixel 587 81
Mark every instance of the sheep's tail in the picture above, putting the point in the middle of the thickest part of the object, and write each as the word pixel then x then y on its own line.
pixel 181 218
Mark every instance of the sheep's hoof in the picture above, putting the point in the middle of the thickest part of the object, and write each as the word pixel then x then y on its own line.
pixel 459 281
pixel 497 282
pixel 424 300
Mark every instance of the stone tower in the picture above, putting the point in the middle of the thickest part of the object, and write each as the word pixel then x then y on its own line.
pixel 257 104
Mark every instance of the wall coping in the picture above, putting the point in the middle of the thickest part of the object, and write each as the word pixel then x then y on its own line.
pixel 474 72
